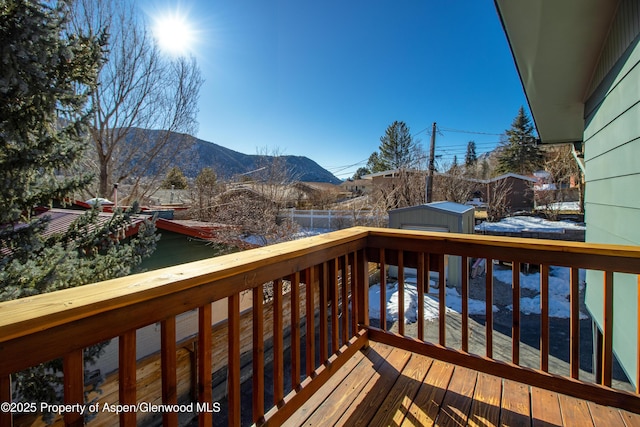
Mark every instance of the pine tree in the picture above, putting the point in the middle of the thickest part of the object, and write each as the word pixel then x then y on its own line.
pixel 470 157
pixel 46 78
pixel 520 153
pixel 175 179
pixel 397 149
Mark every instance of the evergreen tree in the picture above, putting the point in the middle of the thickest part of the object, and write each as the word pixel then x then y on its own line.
pixel 362 171
pixel 520 153
pixel 175 179
pixel 397 150
pixel 470 157
pixel 46 78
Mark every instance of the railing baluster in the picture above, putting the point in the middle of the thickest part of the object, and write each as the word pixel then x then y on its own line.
pixel 574 297
pixel 354 292
pixel 383 291
pixel 6 417
pixel 257 378
pixel 344 266
pixel 335 330
pixel 295 330
pixel 233 364
pixel 168 366
pixel 362 268
pixel 489 306
pixel 442 308
pixel 607 329
pixel 324 304
pixel 310 316
pixel 515 325
pixel 73 370
pixel 278 343
pixel 205 392
pixel 465 302
pixel 127 376
pixel 401 292
pixel 544 317
pixel 420 285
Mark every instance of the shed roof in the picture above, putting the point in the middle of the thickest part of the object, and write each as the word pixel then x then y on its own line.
pixel 443 206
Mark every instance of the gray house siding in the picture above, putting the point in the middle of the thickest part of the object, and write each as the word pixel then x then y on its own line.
pixel 612 161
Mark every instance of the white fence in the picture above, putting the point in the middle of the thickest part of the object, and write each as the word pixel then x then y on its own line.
pixel 332 219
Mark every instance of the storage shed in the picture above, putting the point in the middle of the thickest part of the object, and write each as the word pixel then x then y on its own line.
pixel 448 217
pixel 437 216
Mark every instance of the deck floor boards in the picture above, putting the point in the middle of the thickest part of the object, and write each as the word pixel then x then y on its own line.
pixel 384 386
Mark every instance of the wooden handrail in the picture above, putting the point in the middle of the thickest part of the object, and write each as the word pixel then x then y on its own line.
pixel 332 271
pixel 409 249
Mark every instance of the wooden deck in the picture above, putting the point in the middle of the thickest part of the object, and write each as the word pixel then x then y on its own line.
pixel 384 386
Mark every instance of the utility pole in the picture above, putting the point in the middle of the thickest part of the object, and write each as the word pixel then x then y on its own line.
pixel 432 151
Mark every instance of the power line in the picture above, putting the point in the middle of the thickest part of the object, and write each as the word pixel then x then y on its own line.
pixel 469 132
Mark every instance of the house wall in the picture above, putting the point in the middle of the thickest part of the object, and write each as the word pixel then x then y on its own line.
pixel 612 150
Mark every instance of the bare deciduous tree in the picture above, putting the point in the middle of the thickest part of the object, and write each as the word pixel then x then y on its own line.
pixel 498 200
pixel 406 188
pixel 564 171
pixel 139 90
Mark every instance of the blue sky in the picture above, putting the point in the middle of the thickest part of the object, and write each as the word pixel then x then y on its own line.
pixel 325 79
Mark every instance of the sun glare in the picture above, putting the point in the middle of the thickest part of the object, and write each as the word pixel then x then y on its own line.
pixel 175 34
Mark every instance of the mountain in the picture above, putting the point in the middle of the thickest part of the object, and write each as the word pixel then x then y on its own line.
pixel 228 163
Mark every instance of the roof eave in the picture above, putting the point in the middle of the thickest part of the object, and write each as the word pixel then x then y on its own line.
pixel 556 46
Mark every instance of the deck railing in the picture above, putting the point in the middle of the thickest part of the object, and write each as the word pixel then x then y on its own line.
pixel 335 267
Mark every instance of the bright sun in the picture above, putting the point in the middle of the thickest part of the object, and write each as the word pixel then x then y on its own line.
pixel 174 33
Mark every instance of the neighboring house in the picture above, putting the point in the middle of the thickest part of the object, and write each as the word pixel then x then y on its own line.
pixel 357 187
pixel 61 219
pixel 579 63
pixel 518 188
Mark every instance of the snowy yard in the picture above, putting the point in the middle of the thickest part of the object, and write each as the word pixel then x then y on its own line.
pixel 528 223
pixel 559 305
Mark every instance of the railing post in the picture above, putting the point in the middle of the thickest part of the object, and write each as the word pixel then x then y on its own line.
pixel 383 291
pixel 205 392
pixel 574 296
pixel 127 376
pixel 333 297
pixel 73 371
pixel 423 284
pixel 363 288
pixel 344 266
pixel 278 344
pixel 233 361
pixel 515 326
pixel 607 330
pixel 6 417
pixel 401 292
pixel 258 354
pixel 465 302
pixel 489 306
pixel 544 317
pixel 310 278
pixel 324 304
pixel 295 330
pixel 168 364
pixel 442 307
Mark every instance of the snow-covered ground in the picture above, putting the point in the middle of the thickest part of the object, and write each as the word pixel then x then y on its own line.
pixel 561 206
pixel 528 223
pixel 559 305
pixel 453 302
